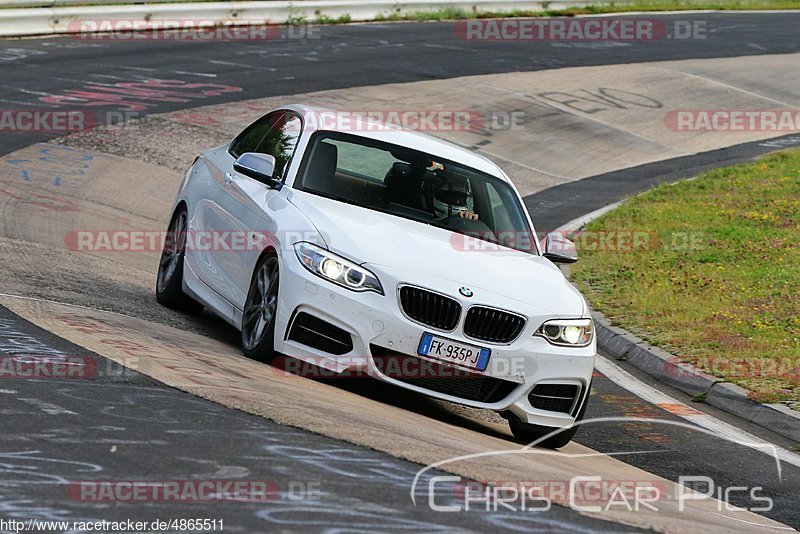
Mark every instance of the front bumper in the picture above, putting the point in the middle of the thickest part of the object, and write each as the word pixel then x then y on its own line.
pixel 379 327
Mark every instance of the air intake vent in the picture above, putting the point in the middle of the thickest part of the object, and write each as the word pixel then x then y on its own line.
pixel 554 397
pixel 320 335
pixel 430 308
pixel 496 326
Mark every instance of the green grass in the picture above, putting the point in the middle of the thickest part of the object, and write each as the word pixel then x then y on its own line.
pixel 715 276
pixel 324 19
pixel 449 13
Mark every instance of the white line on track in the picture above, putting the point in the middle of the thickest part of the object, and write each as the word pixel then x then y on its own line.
pixel 243 65
pixel 724 430
pixel 47 407
pixel 190 73
pixel 576 224
pixel 732 87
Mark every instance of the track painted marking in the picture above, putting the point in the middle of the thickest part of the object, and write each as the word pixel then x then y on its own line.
pixel 727 431
pixel 204 74
pixel 679 409
pixel 732 87
pixel 47 407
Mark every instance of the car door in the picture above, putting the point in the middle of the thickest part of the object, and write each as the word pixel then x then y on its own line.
pixel 207 219
pixel 246 219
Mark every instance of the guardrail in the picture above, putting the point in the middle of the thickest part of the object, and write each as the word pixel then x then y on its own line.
pixel 60 3
pixel 65 17
pixel 64 3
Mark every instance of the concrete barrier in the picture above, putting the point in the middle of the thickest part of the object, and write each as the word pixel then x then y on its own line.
pixel 63 16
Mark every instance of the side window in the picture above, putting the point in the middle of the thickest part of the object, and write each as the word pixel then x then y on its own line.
pixel 281 139
pixel 365 162
pixel 251 137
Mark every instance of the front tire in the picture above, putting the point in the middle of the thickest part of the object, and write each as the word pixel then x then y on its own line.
pixel 527 434
pixel 260 310
pixel 169 283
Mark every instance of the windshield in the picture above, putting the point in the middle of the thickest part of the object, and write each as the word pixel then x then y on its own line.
pixel 416 186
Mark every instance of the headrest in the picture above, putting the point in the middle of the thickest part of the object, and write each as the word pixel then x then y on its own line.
pixel 323 167
pixel 403 177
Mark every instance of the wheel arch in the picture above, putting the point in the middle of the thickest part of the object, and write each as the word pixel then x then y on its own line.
pixel 269 250
pixel 180 204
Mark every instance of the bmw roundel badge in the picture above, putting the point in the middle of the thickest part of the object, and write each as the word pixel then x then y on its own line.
pixel 467 292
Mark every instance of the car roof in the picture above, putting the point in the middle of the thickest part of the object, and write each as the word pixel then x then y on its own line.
pixel 313 117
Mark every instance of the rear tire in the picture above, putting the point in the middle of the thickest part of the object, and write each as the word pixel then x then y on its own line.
pixel 527 434
pixel 260 310
pixel 169 284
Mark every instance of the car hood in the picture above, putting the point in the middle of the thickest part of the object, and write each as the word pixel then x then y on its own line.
pixel 406 248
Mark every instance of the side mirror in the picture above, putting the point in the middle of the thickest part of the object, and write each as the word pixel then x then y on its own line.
pixel 258 167
pixel 559 249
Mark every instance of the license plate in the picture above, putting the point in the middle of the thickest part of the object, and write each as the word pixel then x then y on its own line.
pixel 447 350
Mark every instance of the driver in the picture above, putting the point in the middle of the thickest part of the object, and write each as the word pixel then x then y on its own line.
pixel 452 197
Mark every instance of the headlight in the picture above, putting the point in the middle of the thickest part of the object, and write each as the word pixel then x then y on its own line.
pixel 336 269
pixel 568 332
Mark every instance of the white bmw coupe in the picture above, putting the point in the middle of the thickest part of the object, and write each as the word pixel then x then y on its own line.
pixel 386 250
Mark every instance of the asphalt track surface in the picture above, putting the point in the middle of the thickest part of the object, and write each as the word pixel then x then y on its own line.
pixel 345 56
pixel 174 435
pixel 315 482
